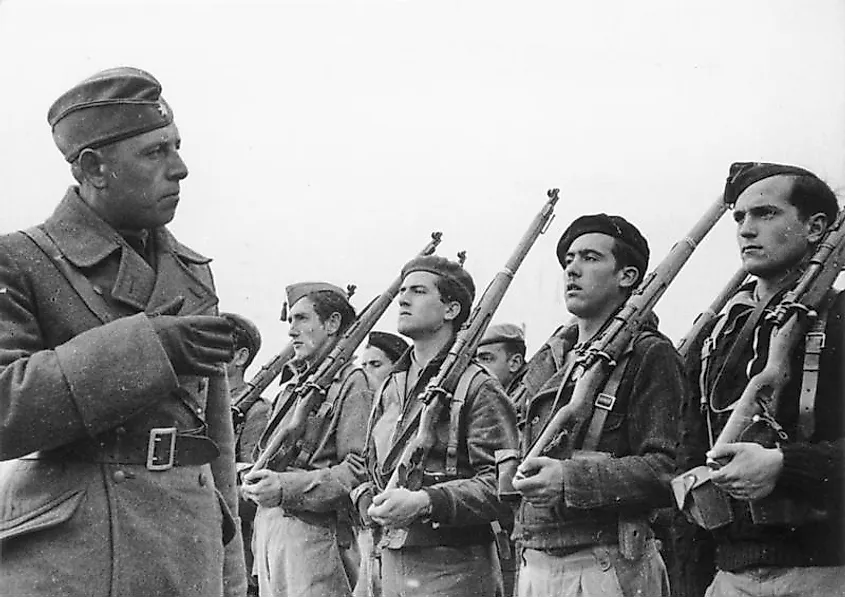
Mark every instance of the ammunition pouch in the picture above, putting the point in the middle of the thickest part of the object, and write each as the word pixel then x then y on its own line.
pixel 700 500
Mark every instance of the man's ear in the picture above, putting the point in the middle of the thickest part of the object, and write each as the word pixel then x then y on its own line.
pixel 93 167
pixel 333 323
pixel 628 276
pixel 515 361
pixel 453 309
pixel 817 225
pixel 241 356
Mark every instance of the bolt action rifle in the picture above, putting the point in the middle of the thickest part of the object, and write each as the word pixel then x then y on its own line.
pixel 789 324
pixel 287 442
pixel 594 365
pixel 438 394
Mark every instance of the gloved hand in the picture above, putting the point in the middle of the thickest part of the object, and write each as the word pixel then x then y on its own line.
pixel 195 344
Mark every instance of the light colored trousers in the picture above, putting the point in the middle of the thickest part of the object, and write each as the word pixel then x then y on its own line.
pixel 599 571
pixel 780 582
pixel 294 558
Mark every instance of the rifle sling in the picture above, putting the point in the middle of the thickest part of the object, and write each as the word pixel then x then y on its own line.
pixel 604 403
pixel 316 429
pixel 455 407
pixel 814 343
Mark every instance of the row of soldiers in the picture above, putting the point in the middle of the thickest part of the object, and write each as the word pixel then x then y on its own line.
pixel 119 473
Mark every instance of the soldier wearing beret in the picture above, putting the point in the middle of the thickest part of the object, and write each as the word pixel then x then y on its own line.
pixel 502 352
pixel 781 214
pixel 304 536
pixel 383 349
pixel 119 472
pixel 576 513
pixel 450 547
pixel 250 418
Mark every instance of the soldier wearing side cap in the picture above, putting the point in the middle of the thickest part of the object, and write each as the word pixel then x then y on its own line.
pixel 450 547
pixel 119 472
pixel 502 352
pixel 574 510
pixel 250 418
pixel 781 214
pixel 304 533
pixel 383 349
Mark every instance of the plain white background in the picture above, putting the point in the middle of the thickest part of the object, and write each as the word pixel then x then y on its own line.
pixel 326 140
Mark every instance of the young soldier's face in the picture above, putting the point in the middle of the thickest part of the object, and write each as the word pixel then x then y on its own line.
pixel 375 364
pixel 495 358
pixel 771 235
pixel 421 309
pixel 592 277
pixel 308 333
pixel 143 179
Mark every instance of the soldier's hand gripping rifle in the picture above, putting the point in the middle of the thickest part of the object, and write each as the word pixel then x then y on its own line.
pixel 287 441
pixel 788 324
pixel 251 392
pixel 410 468
pixel 594 366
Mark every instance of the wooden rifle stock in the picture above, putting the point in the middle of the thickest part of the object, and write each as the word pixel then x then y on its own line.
pixel 409 471
pixel 791 320
pixel 595 364
pixel 286 441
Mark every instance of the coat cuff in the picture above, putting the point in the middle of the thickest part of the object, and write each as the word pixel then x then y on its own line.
pixel 441 508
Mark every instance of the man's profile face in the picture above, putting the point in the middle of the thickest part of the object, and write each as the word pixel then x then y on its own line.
pixel 771 234
pixel 143 175
pixel 307 332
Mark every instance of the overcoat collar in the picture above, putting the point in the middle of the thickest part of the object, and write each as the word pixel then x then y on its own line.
pixel 86 240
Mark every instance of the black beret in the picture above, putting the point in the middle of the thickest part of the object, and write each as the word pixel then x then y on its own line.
pixel 744 174
pixel 615 226
pixel 391 344
pixel 247 330
pixel 107 107
pixel 450 270
pixel 503 332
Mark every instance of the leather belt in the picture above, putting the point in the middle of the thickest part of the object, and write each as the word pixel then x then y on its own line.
pixel 160 450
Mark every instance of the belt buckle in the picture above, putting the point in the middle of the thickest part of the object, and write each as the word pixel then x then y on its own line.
pixel 154 459
pixel 605 401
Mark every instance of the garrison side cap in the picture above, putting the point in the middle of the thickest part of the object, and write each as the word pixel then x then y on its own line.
pixel 391 344
pixel 744 174
pixel 503 332
pixel 248 329
pixel 107 107
pixel 294 292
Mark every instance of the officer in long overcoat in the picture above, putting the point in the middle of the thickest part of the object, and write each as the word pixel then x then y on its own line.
pixel 117 474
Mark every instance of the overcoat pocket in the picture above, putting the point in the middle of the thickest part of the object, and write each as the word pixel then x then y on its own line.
pixel 53 513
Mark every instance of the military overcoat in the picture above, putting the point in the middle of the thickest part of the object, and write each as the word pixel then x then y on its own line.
pixel 80 377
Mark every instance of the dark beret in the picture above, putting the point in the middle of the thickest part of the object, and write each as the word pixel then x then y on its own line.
pixel 450 270
pixel 391 344
pixel 615 226
pixel 107 107
pixel 503 332
pixel 246 330
pixel 744 174
pixel 294 292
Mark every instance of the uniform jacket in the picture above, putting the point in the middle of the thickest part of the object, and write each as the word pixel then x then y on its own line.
pixel 467 501
pixel 71 379
pixel 320 493
pixel 640 434
pixel 812 469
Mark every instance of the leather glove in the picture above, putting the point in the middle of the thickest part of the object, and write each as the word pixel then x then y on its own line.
pixel 195 344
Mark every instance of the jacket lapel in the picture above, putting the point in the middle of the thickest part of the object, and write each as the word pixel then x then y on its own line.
pixel 174 277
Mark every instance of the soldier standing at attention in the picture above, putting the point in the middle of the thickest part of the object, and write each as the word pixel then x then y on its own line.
pixel 115 431
pixel 304 535
pixel 250 420
pixel 450 547
pixel 781 213
pixel 575 510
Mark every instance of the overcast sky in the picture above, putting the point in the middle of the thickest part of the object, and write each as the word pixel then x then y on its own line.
pixel 327 140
